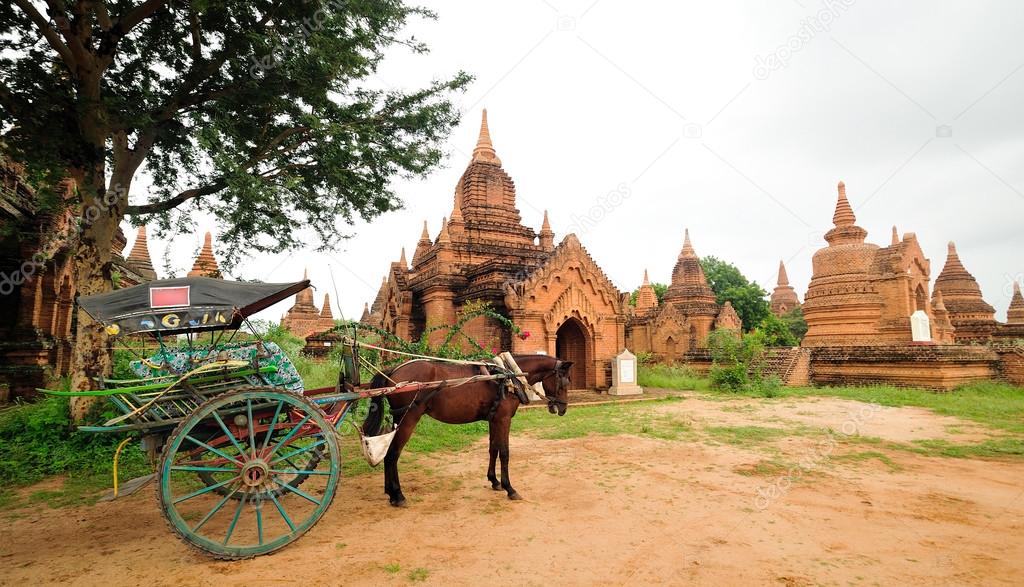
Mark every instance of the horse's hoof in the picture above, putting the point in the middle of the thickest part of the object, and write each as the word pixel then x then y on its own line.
pixel 496 486
pixel 514 496
pixel 399 503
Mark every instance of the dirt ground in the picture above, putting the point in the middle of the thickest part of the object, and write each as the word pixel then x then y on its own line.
pixel 712 507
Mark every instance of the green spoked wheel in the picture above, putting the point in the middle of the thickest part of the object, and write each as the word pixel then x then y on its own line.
pixel 227 481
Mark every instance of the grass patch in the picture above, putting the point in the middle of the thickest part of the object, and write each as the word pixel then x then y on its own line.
pixel 762 468
pixel 392 568
pixel 868 455
pixel 418 575
pixel 672 377
pixel 607 419
pixel 745 436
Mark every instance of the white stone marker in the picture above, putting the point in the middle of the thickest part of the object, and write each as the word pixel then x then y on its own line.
pixel 920 327
pixel 624 375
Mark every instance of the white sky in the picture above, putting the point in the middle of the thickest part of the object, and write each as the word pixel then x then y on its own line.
pixel 663 99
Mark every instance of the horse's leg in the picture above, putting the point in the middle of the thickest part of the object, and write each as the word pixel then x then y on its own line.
pixel 502 423
pixel 493 454
pixel 392 486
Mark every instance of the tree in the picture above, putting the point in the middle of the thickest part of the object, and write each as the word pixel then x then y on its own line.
pixel 794 320
pixel 257 112
pixel 659 291
pixel 776 333
pixel 748 298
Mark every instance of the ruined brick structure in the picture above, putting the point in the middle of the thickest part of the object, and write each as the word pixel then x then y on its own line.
pixel 484 254
pixel 858 308
pixel 784 298
pixel 38 321
pixel 687 314
pixel 303 319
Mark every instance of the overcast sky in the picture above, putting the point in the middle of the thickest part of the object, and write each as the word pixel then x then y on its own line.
pixel 734 119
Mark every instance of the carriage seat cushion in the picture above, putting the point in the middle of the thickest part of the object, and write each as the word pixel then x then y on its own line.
pixel 178 361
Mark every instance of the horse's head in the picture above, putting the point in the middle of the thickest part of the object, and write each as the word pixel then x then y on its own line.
pixel 556 387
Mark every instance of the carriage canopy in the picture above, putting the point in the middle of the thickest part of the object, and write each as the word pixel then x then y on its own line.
pixel 187 304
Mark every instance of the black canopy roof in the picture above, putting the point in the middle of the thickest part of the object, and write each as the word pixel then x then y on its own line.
pixel 187 304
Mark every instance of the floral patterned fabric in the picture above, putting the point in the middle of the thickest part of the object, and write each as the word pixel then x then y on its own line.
pixel 181 361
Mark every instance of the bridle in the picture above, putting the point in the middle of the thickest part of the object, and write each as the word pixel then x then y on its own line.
pixel 558 382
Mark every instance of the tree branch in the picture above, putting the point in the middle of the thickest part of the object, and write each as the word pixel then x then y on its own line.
pixel 102 15
pixel 49 33
pixel 174 202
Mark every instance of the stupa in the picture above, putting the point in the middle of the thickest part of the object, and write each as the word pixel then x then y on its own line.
pixel 784 298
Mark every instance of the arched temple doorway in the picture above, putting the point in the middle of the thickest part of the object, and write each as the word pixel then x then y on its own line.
pixel 571 345
pixel 920 299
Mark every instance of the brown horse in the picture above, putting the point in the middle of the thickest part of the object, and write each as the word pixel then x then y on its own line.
pixel 472 402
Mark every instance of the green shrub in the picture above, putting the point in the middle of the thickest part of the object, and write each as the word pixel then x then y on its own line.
pixel 36 441
pixel 671 377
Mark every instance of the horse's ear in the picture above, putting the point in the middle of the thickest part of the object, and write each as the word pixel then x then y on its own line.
pixel 564 366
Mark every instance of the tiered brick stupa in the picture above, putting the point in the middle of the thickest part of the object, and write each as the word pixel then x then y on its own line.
pixel 303 319
pixel 972 317
pixel 139 257
pixel 484 254
pixel 784 298
pixel 1015 314
pixel 688 312
pixel 206 264
pixel 858 307
pixel 646 297
pixel 860 293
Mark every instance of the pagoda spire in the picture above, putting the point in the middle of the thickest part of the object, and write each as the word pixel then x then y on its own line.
pixel 1015 314
pixel 139 256
pixel 206 264
pixel 895 235
pixel 844 213
pixel 484 150
pixel 443 236
pixel 365 318
pixel 647 280
pixel 547 236
pixel 402 261
pixel 326 311
pixel 783 277
pixel 422 247
pixel 688 250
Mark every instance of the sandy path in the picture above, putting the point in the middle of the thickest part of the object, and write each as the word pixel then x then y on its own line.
pixel 605 510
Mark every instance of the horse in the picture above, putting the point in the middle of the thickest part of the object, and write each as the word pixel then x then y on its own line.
pixel 471 402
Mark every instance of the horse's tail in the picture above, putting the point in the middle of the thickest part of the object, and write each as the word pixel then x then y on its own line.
pixel 374 419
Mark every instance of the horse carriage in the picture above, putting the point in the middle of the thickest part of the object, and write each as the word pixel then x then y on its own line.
pixel 248 460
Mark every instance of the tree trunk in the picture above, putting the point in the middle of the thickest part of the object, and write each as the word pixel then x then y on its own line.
pixel 93 271
pixel 101 214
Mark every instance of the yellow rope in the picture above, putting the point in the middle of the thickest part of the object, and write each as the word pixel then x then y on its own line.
pixel 117 455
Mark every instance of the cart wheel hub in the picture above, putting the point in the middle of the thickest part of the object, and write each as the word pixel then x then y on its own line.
pixel 255 473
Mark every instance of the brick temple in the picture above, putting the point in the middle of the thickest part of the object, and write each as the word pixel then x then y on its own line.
pixel 687 314
pixel 858 308
pixel 483 253
pixel 38 321
pixel 303 318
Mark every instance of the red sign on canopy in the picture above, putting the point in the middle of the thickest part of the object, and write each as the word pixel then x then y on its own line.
pixel 169 297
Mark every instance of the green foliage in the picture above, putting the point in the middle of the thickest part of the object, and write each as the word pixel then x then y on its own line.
pixel 659 291
pixel 738 363
pixel 36 442
pixel 263 115
pixel 776 333
pixel 794 320
pixel 747 298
